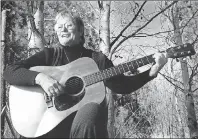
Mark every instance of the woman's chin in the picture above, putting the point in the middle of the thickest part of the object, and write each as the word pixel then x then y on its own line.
pixel 64 43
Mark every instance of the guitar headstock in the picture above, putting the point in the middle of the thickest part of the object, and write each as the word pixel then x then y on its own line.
pixel 180 51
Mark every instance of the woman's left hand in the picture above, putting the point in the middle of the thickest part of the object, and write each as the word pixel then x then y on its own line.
pixel 160 61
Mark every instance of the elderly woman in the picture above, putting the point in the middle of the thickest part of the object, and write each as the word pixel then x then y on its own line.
pixel 91 120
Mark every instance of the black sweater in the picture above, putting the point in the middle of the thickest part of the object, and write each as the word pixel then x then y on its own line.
pixel 19 73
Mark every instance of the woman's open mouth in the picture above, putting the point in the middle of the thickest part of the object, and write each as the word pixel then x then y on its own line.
pixel 65 35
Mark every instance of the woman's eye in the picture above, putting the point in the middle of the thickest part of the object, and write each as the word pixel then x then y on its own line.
pixel 59 26
pixel 69 26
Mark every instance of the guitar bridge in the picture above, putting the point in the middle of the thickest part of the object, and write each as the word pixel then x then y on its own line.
pixel 48 100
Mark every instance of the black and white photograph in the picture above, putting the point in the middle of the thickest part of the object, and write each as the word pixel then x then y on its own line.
pixel 99 69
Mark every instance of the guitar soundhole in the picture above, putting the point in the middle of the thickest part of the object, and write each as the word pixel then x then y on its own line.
pixel 74 85
pixel 74 93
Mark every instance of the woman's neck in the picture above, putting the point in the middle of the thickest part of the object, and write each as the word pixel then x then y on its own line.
pixel 76 47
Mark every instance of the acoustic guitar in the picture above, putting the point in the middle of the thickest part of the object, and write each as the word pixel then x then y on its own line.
pixel 33 113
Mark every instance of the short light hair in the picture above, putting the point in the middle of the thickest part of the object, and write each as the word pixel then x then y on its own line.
pixel 76 20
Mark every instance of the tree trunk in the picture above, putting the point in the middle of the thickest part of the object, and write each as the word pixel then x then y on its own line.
pixel 39 17
pixel 111 115
pixel 189 102
pixel 104 30
pixel 104 34
pixel 36 28
pixel 3 62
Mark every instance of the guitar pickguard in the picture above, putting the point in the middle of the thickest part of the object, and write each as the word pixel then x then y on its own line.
pixel 65 101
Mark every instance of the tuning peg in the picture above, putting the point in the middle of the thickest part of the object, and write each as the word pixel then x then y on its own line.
pixel 175 54
pixel 185 45
pixel 179 47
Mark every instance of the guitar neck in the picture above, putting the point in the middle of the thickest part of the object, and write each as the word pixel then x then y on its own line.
pixel 117 70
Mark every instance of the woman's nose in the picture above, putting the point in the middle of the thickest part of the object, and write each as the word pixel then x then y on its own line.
pixel 64 28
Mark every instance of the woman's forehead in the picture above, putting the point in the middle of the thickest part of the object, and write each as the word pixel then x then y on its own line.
pixel 62 20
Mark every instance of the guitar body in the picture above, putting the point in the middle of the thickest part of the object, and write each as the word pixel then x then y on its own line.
pixel 29 112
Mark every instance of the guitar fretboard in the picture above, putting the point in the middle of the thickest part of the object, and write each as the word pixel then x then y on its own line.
pixel 117 70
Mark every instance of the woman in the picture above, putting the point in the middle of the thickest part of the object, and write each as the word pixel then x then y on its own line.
pixel 91 120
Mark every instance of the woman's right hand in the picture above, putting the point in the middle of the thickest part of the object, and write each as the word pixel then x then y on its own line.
pixel 49 85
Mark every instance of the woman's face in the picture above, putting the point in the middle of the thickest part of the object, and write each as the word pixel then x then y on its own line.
pixel 67 32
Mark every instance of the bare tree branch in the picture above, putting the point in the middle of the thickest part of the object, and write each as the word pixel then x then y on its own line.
pixel 189 21
pixel 124 39
pixel 154 34
pixel 166 77
pixel 135 17
pixel 190 82
pixel 195 90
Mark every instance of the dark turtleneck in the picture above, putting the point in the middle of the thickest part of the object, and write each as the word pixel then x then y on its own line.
pixel 72 53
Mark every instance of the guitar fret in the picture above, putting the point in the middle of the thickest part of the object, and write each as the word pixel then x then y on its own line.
pixel 87 80
pixel 143 61
pixel 121 68
pixel 128 66
pixel 115 71
pixel 99 75
pixel 149 58
pixel 118 69
pixel 95 77
pixel 131 64
pixel 106 73
pixel 125 67
pixel 137 63
pixel 91 79
pixel 140 62
pixel 110 72
pixel 103 75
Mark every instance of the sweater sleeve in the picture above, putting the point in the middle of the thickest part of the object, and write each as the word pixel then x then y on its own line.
pixel 122 84
pixel 19 73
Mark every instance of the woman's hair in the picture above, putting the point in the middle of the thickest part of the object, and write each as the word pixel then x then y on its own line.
pixel 76 20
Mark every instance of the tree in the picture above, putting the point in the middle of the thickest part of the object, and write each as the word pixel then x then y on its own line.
pixel 176 19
